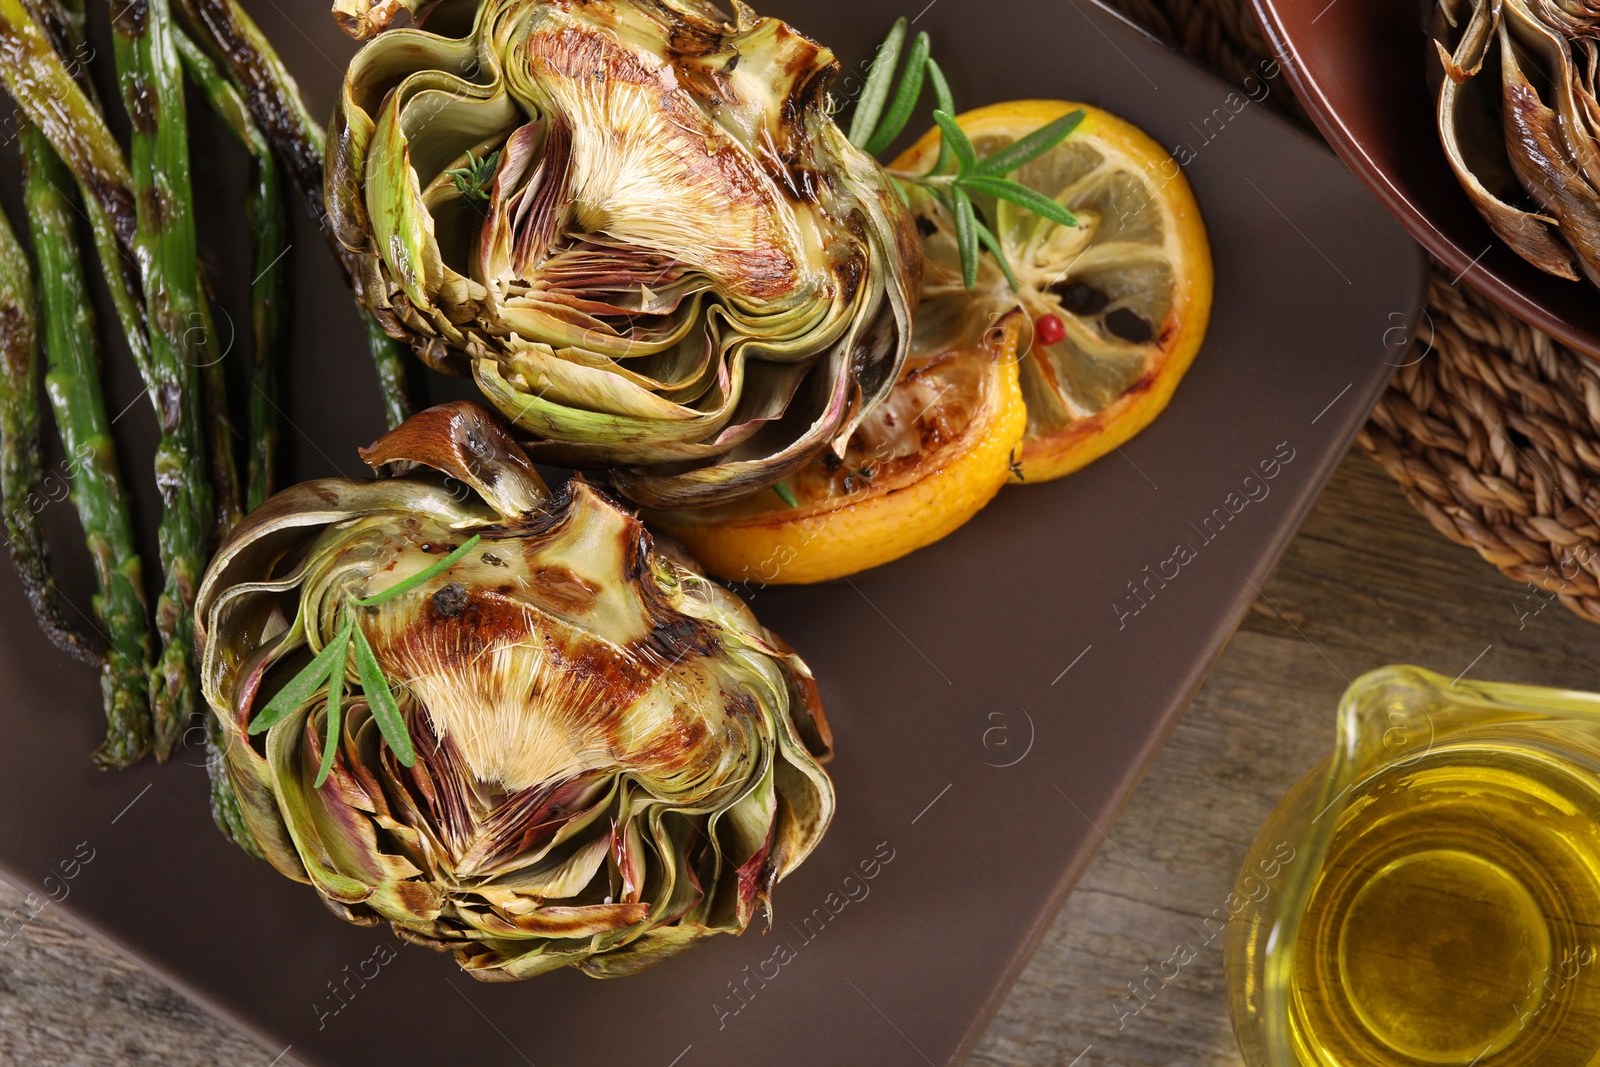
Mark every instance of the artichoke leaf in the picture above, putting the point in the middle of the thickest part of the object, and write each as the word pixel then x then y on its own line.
pixel 559 921
pixel 520 891
pixel 396 809
pixel 467 443
pixel 362 19
pixel 682 373
pixel 429 103
pixel 679 896
pixel 291 769
pixel 530 411
pixel 744 832
pixel 510 961
pixel 1530 234
pixel 376 72
pixel 1533 143
pixel 339 818
pixel 1523 149
pixel 628 857
pixel 559 320
pixel 703 486
pixel 402 229
pixel 252 780
pixel 1540 47
pixel 371 76
pixel 649 949
pixel 349 139
pixel 509 840
pixel 505 198
pixel 571 384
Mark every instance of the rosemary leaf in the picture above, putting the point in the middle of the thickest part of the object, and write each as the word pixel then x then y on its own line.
pixel 786 494
pixel 943 101
pixel 335 708
pixel 876 90
pixel 1021 195
pixel 384 710
pixel 967 237
pixel 987 238
pixel 1029 148
pixel 956 138
pixel 302 686
pixel 427 574
pixel 905 97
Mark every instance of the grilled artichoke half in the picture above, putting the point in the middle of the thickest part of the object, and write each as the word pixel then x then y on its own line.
pixel 635 224
pixel 1518 116
pixel 612 759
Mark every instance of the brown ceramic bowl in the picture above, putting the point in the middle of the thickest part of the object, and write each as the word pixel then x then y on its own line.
pixel 1359 68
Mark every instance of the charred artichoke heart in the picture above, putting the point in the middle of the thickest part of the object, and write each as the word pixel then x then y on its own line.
pixel 604 757
pixel 637 227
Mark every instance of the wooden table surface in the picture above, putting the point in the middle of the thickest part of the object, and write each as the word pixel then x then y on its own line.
pixel 1366 583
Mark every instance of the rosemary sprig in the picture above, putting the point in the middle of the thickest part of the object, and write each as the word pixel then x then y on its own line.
pixel 473 180
pixel 334 712
pixel 376 688
pixel 873 129
pixel 945 102
pixel 427 574
pixel 875 92
pixel 304 685
pixel 331 664
pixel 905 98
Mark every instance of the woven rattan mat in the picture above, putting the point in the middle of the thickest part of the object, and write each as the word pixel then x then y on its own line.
pixel 1491 428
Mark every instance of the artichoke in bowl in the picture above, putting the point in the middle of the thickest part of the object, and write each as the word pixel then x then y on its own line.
pixel 634 223
pixel 503 720
pixel 1519 120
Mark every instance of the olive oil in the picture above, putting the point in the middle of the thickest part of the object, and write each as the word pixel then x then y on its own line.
pixel 1456 919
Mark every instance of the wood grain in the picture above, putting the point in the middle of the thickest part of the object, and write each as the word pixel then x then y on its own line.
pixel 1366 583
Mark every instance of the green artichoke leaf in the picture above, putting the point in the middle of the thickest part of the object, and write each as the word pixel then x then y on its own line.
pixel 682 373
pixel 527 408
pixel 558 922
pixel 650 949
pixel 401 227
pixel 569 383
pixel 493 856
pixel 747 825
pixel 252 779
pixel 564 319
pixel 369 79
pixel 567 876
pixel 287 759
pixel 667 489
pixel 514 960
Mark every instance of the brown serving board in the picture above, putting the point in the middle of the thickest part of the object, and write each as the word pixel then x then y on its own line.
pixel 993 707
pixel 1359 66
